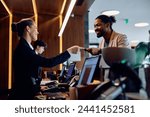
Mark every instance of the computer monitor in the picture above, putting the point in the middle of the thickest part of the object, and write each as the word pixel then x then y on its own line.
pixel 62 71
pixel 69 73
pixel 89 69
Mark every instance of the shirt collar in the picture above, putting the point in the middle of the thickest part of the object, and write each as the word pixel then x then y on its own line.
pixel 31 46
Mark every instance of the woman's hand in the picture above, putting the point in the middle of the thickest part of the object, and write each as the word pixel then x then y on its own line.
pixel 73 49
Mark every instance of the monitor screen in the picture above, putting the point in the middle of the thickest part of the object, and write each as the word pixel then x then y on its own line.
pixel 88 69
pixel 86 74
pixel 62 71
pixel 70 72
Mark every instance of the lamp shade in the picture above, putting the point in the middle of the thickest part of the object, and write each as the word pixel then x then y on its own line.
pixel 114 54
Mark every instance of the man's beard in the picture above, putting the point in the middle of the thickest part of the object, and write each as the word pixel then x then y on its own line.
pixel 100 34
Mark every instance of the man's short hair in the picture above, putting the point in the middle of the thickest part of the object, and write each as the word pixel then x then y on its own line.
pixel 39 43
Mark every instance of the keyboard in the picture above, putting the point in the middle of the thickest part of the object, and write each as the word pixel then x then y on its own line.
pixel 54 89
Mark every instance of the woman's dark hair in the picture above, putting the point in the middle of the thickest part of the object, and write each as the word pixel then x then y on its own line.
pixel 107 19
pixel 21 25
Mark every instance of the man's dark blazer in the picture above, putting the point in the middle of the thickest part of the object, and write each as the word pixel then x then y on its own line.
pixel 26 63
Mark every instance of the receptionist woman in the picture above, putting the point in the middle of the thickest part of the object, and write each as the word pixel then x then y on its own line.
pixel 25 60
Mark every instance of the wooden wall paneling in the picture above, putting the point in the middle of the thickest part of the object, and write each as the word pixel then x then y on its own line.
pixel 74 35
pixel 2 10
pixel 74 32
pixel 66 7
pixel 4 43
pixel 49 7
pixel 48 31
pixel 82 7
pixel 20 7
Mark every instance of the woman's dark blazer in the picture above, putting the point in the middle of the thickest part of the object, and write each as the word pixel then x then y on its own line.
pixel 26 63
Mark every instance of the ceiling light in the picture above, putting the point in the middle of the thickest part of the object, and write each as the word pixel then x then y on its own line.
pixel 141 24
pixel 91 31
pixel 110 12
pixel 67 16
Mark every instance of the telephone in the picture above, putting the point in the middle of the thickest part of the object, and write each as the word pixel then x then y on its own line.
pixel 74 81
pixel 99 90
pixel 108 90
pixel 126 80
